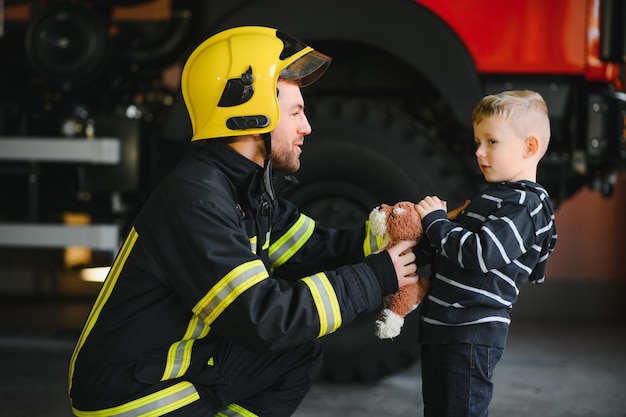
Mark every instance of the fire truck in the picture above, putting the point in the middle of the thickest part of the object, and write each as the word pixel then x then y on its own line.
pixel 89 121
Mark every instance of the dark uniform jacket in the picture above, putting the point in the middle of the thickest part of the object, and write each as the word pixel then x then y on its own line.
pixel 207 259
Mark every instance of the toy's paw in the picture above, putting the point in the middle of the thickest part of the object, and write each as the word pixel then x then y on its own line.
pixel 388 324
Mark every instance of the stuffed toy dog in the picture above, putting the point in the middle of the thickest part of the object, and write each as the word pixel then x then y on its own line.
pixel 393 224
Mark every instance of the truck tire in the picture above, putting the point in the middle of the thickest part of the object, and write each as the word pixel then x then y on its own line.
pixel 361 154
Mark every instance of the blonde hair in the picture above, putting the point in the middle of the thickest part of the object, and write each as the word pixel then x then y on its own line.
pixel 526 110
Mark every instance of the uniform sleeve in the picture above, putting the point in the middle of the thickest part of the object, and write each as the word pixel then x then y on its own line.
pixel 505 235
pixel 300 245
pixel 209 260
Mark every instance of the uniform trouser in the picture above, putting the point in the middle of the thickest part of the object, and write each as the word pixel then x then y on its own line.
pixel 269 384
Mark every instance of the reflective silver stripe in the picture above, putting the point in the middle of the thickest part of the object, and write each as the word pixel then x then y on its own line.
pixel 235 410
pixel 229 288
pixel 179 354
pixel 289 243
pixel 153 405
pixel 326 302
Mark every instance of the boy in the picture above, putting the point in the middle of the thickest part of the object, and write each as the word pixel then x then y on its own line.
pixel 500 241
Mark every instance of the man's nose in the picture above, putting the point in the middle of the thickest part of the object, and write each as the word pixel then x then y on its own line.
pixel 305 127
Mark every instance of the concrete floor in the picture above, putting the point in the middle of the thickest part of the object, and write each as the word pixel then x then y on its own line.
pixel 549 369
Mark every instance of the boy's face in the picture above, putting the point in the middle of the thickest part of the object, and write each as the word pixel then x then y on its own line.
pixel 500 152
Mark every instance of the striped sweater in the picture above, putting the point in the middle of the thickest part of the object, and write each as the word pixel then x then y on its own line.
pixel 480 261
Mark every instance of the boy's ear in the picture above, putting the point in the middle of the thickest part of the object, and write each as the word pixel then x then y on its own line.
pixel 532 146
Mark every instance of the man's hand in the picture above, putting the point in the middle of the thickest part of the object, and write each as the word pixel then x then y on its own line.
pixel 403 260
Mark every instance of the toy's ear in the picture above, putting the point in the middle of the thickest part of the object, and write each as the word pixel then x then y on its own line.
pixel 378 222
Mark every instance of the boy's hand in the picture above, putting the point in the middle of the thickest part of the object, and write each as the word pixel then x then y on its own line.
pixel 430 204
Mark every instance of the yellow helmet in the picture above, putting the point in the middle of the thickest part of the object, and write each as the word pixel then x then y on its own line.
pixel 229 80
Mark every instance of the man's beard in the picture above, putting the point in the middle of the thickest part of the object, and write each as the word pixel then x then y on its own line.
pixel 285 162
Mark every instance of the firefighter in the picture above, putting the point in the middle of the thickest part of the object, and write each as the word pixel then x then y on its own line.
pixel 220 292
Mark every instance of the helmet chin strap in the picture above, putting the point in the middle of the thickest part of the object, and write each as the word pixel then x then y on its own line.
pixel 267 169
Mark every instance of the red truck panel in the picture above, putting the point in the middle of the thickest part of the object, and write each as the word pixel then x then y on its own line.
pixel 528 36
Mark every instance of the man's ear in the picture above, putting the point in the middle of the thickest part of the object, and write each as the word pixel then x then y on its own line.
pixel 531 146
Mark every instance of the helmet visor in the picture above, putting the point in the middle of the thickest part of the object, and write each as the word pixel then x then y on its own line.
pixel 307 69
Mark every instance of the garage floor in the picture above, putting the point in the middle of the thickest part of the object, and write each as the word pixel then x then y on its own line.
pixel 549 369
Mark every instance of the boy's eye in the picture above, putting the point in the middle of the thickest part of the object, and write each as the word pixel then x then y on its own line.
pixel 487 141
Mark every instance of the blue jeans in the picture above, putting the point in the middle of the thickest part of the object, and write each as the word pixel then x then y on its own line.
pixel 456 379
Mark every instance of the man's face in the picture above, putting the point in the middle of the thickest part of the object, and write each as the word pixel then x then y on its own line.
pixel 293 126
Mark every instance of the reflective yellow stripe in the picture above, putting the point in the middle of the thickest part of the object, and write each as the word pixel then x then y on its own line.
pixel 254 243
pixel 103 295
pixel 229 288
pixel 289 243
pixel 153 405
pixel 372 243
pixel 266 244
pixel 235 410
pixel 326 302
pixel 179 354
